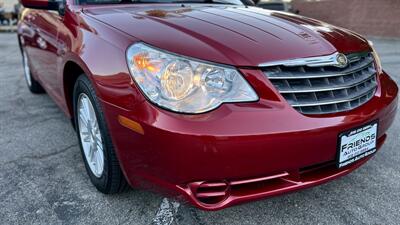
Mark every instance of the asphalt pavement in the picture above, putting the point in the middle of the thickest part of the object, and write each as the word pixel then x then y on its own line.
pixel 43 179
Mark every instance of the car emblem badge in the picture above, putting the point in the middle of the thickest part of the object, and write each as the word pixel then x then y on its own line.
pixel 341 60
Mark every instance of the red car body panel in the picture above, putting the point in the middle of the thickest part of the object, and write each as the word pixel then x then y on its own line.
pixel 217 33
pixel 236 144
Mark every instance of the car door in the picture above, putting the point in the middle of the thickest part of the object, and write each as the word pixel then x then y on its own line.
pixel 44 54
pixel 28 38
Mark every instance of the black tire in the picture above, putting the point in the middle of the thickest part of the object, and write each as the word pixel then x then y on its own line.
pixel 112 179
pixel 33 85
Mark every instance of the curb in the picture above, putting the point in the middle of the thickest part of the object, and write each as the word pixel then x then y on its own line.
pixel 8 29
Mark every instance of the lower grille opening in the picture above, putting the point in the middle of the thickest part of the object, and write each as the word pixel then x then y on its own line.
pixel 212 192
pixel 257 187
pixel 212 200
pixel 216 192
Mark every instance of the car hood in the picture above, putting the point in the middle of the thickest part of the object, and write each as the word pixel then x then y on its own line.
pixel 234 35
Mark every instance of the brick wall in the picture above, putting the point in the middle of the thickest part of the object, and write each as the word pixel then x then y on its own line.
pixel 368 17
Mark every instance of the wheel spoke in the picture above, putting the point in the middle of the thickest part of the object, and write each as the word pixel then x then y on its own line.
pixel 92 115
pixel 82 116
pixel 83 127
pixel 87 109
pixel 86 136
pixel 97 134
pixel 97 138
pixel 95 127
pixel 92 153
pixel 99 146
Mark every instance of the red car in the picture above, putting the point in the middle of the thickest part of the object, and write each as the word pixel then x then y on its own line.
pixel 211 100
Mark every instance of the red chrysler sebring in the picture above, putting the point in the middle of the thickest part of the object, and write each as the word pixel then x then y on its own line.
pixel 212 100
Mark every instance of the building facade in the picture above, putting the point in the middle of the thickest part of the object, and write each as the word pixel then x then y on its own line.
pixel 367 17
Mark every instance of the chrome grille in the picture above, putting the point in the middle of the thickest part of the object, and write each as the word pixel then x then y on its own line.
pixel 312 87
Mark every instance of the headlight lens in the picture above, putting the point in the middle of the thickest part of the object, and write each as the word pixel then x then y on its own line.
pixel 377 58
pixel 185 85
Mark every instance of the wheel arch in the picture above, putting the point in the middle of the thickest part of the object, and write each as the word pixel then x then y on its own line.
pixel 71 71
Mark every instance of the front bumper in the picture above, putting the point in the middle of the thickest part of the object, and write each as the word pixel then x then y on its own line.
pixel 240 152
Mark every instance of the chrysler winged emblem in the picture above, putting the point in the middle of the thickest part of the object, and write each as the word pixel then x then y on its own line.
pixel 341 60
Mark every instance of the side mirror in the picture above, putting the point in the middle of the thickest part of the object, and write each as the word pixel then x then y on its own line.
pixel 57 5
pixel 42 4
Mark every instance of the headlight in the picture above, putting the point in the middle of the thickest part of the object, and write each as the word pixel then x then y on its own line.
pixel 377 58
pixel 185 85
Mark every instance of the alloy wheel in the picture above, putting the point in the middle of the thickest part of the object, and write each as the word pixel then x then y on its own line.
pixel 90 135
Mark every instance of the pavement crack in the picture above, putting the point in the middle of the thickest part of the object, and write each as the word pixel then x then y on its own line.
pixel 43 156
pixel 41 121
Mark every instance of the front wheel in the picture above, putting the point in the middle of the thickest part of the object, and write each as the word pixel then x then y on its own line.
pixel 33 85
pixel 97 149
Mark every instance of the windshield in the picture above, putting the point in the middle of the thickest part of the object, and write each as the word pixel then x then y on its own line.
pixel 230 2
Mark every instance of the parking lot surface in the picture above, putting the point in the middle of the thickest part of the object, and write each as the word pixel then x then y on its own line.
pixel 43 179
